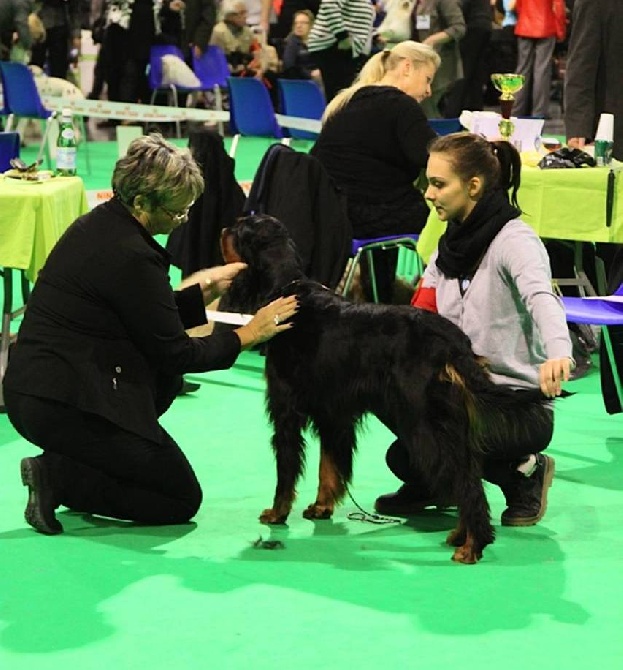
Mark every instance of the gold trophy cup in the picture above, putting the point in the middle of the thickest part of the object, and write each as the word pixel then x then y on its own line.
pixel 508 84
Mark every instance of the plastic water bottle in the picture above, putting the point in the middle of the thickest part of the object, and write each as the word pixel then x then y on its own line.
pixel 66 146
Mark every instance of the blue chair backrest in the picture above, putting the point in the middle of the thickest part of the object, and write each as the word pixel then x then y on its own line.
pixel 251 111
pixel 154 76
pixel 302 98
pixel 211 67
pixel 9 148
pixel 445 126
pixel 20 93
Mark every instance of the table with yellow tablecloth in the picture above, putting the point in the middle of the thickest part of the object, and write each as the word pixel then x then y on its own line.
pixel 564 204
pixel 33 216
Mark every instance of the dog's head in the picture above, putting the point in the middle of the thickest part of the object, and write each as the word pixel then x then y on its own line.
pixel 265 245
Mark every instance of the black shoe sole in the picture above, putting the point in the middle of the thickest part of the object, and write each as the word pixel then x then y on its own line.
pixel 413 509
pixel 34 513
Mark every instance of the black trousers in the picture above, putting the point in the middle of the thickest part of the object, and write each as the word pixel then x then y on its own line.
pixel 500 461
pixel 467 93
pixel 338 69
pixel 55 50
pixel 98 468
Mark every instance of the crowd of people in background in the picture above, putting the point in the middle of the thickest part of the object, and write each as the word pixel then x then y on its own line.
pixel 327 41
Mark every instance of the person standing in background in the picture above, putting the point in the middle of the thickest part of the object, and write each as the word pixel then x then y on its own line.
pixel 540 23
pixel 467 93
pixel 441 25
pixel 14 19
pixel 594 78
pixel 63 25
pixel 340 41
pixel 198 24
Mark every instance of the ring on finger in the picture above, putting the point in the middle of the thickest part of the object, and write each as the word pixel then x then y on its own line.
pixel 276 319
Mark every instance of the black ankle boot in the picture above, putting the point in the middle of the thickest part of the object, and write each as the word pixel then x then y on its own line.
pixel 42 501
pixel 526 497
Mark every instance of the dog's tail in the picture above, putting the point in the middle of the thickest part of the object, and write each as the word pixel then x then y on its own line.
pixel 497 413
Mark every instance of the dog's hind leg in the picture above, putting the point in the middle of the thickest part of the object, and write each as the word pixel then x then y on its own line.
pixel 335 469
pixel 474 531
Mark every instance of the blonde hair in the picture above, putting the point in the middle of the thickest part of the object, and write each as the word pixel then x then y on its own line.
pixel 379 65
pixel 157 170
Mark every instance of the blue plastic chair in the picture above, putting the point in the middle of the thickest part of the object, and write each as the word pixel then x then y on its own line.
pixel 361 246
pixel 212 70
pixel 251 111
pixel 445 126
pixel 9 149
pixel 22 99
pixel 155 76
pixel 302 98
pixel 599 312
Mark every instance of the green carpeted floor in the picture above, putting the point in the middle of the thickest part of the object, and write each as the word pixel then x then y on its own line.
pixel 341 593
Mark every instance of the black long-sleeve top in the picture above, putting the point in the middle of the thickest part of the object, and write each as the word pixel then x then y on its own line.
pixel 103 327
pixel 374 148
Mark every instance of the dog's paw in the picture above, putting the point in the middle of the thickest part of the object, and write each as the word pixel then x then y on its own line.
pixel 271 517
pixel 467 554
pixel 315 511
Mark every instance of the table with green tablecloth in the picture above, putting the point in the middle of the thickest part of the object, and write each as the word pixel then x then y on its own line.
pixel 33 216
pixel 563 204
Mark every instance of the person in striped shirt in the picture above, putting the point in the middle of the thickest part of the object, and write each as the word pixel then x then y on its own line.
pixel 340 41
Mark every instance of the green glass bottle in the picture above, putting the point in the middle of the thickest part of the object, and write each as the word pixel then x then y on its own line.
pixel 66 146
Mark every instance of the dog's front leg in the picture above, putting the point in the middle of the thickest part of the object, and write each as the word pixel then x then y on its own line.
pixel 330 489
pixel 289 448
pixel 337 445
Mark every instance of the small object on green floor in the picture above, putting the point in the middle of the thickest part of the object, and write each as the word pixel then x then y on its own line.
pixel 268 544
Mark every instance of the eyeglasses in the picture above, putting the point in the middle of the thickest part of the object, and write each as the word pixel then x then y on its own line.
pixel 178 217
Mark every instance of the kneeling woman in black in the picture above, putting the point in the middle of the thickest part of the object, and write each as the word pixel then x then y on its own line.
pixel 102 348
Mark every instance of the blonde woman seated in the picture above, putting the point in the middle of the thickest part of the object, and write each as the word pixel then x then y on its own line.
pixel 373 143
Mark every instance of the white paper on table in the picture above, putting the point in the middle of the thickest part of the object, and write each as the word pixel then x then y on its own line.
pixel 526 135
pixel 228 317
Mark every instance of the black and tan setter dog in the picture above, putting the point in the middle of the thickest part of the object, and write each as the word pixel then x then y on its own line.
pixel 411 368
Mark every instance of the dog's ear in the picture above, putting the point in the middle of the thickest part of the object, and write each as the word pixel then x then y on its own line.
pixel 228 247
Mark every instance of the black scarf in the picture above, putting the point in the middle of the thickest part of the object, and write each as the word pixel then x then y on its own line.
pixel 464 243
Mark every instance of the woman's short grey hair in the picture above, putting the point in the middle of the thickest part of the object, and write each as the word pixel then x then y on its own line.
pixel 156 170
pixel 232 6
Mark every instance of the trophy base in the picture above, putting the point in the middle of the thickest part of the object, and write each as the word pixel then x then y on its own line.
pixel 506 128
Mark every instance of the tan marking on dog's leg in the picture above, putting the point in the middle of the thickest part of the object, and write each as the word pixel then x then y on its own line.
pixel 279 512
pixel 467 553
pixel 330 489
pixel 456 537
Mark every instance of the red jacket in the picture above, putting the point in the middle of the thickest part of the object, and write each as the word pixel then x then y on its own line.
pixel 541 18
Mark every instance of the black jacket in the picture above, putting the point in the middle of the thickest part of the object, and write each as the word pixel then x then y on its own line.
pixel 103 332
pixel 196 244
pixel 296 189
pixel 594 76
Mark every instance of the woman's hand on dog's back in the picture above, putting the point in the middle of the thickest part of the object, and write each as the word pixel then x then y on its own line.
pixel 268 322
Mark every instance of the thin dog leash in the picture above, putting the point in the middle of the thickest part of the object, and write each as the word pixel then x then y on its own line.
pixel 366 517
